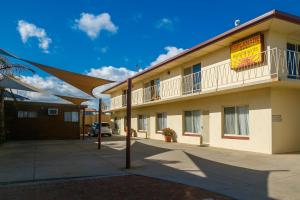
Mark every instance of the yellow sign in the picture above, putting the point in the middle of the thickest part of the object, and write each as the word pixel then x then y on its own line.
pixel 246 52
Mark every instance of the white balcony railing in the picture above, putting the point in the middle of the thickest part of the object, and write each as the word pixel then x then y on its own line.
pixel 275 63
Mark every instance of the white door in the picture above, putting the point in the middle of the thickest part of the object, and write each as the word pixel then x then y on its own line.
pixel 148 127
pixel 205 127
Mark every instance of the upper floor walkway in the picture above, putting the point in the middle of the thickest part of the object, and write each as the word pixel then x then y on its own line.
pixel 275 64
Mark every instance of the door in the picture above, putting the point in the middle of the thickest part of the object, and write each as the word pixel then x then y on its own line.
pixel 205 127
pixel 148 127
pixel 196 78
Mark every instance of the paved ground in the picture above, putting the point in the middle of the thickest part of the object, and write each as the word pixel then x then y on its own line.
pixel 241 175
pixel 109 188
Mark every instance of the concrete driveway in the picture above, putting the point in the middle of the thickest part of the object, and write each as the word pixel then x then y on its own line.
pixel 241 175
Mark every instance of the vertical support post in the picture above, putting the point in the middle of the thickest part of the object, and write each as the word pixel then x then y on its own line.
pixel 83 123
pixel 128 115
pixel 99 120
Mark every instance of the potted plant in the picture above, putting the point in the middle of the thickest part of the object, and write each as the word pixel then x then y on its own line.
pixel 168 133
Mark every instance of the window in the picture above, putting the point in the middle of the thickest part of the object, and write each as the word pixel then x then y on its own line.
pixel 236 120
pixel 142 122
pixel 151 90
pixel 71 116
pixel 161 121
pixel 52 111
pixel 27 114
pixel 192 121
pixel 192 79
pixel 293 60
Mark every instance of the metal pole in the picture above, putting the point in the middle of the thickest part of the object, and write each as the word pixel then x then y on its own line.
pixel 128 115
pixel 99 120
pixel 83 123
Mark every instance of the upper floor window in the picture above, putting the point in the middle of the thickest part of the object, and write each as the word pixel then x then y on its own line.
pixel 236 120
pixel 71 116
pixel 293 60
pixel 152 90
pixel 161 121
pixel 27 114
pixel 142 122
pixel 192 121
pixel 192 79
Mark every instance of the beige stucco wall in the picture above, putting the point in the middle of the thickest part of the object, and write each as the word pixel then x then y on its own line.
pixel 259 119
pixel 286 133
pixel 216 73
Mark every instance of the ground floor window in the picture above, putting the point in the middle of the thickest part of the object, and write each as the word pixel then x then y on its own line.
pixel 142 122
pixel 71 116
pixel 161 121
pixel 27 114
pixel 192 121
pixel 236 120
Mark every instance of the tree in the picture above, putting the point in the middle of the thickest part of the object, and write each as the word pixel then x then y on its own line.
pixel 7 68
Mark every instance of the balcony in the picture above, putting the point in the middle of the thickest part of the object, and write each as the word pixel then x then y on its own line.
pixel 276 64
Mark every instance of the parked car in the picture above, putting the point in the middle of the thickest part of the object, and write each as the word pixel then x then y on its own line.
pixel 105 129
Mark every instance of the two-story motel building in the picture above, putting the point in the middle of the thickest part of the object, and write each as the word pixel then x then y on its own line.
pixel 239 90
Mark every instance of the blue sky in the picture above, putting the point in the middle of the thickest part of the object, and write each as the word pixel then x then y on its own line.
pixel 137 32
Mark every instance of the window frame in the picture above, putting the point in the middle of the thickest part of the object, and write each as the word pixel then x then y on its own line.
pixel 144 117
pixel 156 121
pixel 27 116
pixel 235 136
pixel 187 133
pixel 72 120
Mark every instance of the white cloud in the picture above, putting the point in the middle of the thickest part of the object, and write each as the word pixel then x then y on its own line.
pixel 51 85
pixel 171 52
pixel 165 23
pixel 111 73
pixel 28 30
pixel 104 49
pixel 92 25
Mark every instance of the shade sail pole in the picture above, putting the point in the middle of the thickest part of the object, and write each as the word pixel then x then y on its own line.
pixel 99 120
pixel 128 115
pixel 83 123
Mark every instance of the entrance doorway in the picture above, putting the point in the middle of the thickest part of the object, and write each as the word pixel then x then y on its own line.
pixel 205 128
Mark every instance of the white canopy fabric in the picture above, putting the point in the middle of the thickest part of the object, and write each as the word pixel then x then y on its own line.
pixel 8 81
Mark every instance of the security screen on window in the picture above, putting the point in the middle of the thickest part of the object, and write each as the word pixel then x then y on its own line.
pixel 236 120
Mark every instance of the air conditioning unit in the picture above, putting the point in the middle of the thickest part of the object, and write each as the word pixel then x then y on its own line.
pixel 52 111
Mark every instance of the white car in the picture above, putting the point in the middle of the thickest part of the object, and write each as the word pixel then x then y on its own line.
pixel 105 129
